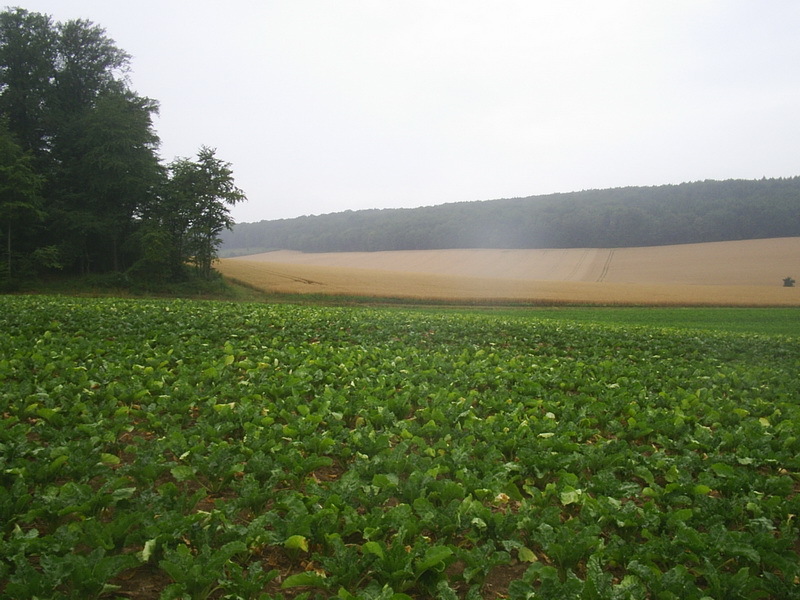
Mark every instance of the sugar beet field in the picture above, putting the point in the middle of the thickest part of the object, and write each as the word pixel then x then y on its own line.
pixel 177 449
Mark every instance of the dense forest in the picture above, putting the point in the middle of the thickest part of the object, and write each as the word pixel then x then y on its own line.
pixel 82 186
pixel 633 216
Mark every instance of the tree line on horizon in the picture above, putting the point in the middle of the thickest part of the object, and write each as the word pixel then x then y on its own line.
pixel 704 211
pixel 82 186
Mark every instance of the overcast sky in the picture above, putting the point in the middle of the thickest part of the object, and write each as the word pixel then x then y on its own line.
pixel 328 105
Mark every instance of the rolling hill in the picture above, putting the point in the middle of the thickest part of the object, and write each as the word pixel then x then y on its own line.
pixel 706 211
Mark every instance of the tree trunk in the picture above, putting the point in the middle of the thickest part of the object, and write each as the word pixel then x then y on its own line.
pixel 115 252
pixel 9 250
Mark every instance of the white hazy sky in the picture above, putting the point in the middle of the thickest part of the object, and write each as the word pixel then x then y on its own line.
pixel 328 105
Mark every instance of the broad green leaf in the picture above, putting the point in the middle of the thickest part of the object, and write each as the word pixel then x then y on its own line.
pixel 147 551
pixel 723 470
pixel 47 413
pixel 123 493
pixel 388 480
pixel 683 514
pixel 525 554
pixel 296 542
pixel 479 523
pixel 570 496
pixel 182 472
pixel 109 459
pixel 373 548
pixel 305 579
pixel 433 556
pixel 58 462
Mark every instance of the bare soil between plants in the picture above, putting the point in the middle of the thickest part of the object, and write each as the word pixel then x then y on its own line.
pixel 738 273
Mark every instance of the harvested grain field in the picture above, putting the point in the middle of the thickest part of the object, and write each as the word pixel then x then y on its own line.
pixel 746 272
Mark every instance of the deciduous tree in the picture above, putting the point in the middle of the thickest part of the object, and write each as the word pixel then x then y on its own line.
pixel 20 203
pixel 108 173
pixel 78 132
pixel 28 50
pixel 199 195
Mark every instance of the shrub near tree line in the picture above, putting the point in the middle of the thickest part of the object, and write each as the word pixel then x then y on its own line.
pixel 82 188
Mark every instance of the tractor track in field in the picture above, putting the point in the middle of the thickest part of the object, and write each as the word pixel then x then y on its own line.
pixel 606 266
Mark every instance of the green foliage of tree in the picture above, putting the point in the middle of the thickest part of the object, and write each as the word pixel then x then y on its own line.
pixel 104 202
pixel 88 63
pixel 20 203
pixel 194 209
pixel 28 47
pixel 108 172
pixel 155 257
pixel 621 217
pixel 206 189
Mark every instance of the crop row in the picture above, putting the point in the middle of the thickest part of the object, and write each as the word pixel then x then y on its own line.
pixel 179 449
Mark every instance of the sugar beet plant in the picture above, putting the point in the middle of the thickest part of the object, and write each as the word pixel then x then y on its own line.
pixel 201 450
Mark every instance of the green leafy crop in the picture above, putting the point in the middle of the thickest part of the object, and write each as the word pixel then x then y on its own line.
pixel 278 451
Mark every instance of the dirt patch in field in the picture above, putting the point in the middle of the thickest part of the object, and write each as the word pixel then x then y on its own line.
pixel 747 272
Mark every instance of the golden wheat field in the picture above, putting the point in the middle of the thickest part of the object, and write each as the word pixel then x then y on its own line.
pixel 744 273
